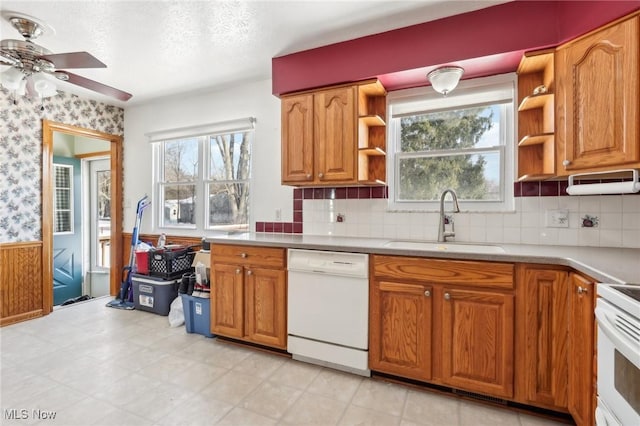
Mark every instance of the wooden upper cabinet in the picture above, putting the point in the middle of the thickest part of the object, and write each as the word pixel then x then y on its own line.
pixel 335 134
pixel 297 139
pixel 541 336
pixel 477 340
pixel 582 375
pixel 597 100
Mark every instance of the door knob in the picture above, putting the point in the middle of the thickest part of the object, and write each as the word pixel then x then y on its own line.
pixel 566 163
pixel 249 272
pixel 243 255
pixel 447 296
pixel 582 290
pixel 427 293
pixel 308 176
pixel 320 175
pixel 238 271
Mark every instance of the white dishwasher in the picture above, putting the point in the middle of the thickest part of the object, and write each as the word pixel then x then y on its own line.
pixel 328 309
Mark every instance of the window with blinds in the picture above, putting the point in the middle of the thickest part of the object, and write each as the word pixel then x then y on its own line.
pixel 63 199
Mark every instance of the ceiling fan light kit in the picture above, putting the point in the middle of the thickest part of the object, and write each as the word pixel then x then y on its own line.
pixel 30 63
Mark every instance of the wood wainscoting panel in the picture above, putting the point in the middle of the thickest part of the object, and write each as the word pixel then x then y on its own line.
pixel 21 286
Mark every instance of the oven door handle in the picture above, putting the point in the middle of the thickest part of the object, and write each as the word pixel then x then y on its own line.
pixel 623 344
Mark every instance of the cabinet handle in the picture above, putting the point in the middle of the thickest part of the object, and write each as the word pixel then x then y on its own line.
pixel 320 175
pixel 582 290
pixel 238 271
pixel 308 176
pixel 447 296
pixel 566 163
pixel 427 293
pixel 249 272
pixel 243 255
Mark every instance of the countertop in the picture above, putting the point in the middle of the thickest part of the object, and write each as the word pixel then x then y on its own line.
pixel 606 265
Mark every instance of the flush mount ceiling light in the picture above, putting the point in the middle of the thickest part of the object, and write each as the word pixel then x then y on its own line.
pixel 445 79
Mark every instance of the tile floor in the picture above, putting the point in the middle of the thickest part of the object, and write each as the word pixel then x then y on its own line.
pixel 92 365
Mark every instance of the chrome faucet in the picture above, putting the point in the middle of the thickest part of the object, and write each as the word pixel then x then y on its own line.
pixel 442 233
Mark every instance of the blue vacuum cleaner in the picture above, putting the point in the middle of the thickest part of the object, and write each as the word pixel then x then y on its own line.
pixel 125 298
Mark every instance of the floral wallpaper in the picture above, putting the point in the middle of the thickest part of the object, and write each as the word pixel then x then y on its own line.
pixel 21 153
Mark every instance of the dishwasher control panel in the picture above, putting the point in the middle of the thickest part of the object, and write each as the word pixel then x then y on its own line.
pixel 329 262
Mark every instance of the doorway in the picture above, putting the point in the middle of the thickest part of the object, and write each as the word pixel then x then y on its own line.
pixel 51 131
pixel 98 221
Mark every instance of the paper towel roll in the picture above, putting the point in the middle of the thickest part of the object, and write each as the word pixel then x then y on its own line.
pixel 604 188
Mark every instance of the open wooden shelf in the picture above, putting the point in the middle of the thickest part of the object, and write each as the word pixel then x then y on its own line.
pixel 374 151
pixel 372 120
pixel 375 182
pixel 536 116
pixel 536 139
pixel 535 101
pixel 535 177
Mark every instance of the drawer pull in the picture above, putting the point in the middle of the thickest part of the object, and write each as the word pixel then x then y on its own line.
pixel 427 293
pixel 447 296
pixel 238 271
pixel 249 272
pixel 582 290
pixel 244 255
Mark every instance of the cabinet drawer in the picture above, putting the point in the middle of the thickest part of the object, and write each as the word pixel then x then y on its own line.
pixel 248 255
pixel 486 274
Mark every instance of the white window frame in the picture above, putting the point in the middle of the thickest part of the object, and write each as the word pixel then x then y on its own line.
pixel 469 93
pixel 71 200
pixel 202 133
pixel 160 184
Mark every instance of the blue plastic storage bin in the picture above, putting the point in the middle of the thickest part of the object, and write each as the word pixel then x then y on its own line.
pixel 197 314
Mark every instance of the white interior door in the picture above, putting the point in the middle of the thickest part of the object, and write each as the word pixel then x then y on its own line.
pixel 100 226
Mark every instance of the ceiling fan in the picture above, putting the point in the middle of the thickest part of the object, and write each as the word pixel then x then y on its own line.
pixel 28 62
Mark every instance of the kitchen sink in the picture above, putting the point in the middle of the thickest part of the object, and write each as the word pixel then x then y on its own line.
pixel 450 247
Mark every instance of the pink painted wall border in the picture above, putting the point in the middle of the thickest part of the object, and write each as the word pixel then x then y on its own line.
pixel 501 32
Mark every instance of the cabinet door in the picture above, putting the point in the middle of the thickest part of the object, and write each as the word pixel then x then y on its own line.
pixel 335 135
pixel 581 350
pixel 227 296
pixel 541 337
pixel 597 93
pixel 477 341
pixel 297 139
pixel 400 329
pixel 265 310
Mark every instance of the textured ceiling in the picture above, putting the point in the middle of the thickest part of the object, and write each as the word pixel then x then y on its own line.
pixel 159 48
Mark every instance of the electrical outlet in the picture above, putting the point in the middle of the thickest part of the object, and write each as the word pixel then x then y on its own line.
pixel 278 214
pixel 557 218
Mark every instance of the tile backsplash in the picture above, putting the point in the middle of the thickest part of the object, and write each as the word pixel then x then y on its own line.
pixel 362 212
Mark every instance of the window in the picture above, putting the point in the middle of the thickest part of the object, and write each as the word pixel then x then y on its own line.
pixel 462 141
pixel 63 199
pixel 214 166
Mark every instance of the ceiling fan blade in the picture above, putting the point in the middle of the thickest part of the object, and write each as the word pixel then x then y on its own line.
pixel 74 60
pixel 97 87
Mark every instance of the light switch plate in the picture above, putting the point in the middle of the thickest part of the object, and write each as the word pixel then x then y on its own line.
pixel 557 218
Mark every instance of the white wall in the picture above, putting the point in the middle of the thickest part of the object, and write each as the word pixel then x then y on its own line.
pixel 253 99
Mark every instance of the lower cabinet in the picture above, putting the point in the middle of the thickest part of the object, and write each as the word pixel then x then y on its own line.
pixel 542 326
pixel 248 294
pixel 582 374
pixel 400 323
pixel 446 322
pixel 477 340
